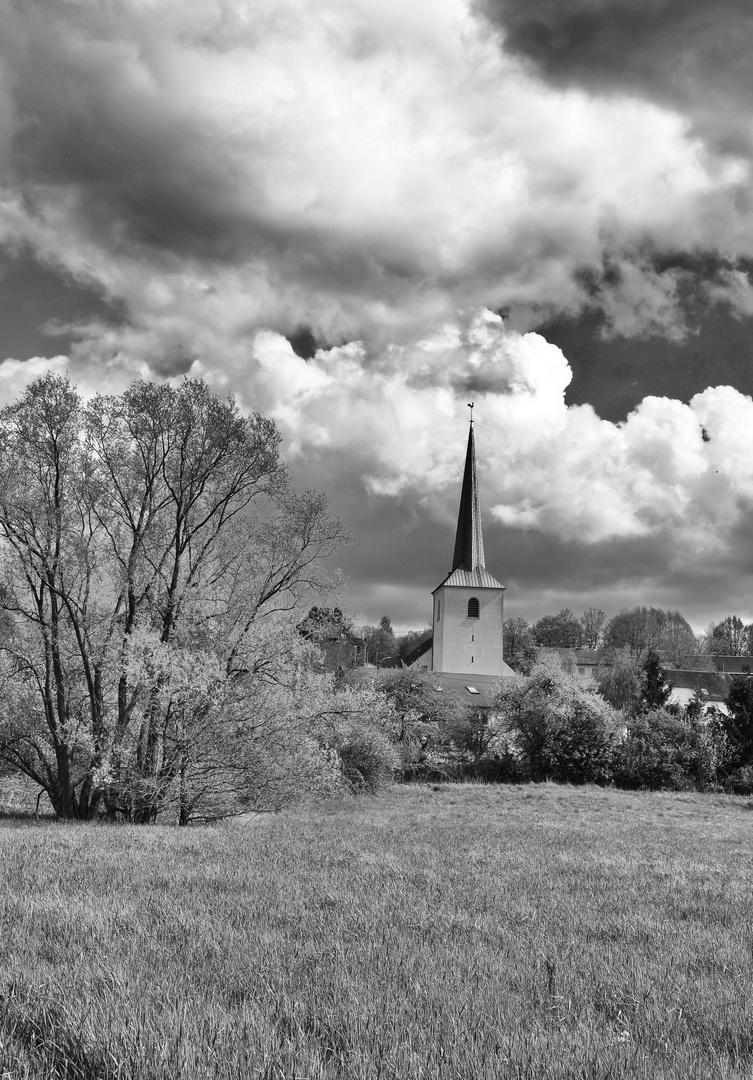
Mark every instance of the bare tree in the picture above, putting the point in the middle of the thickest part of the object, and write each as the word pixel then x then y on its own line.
pixel 593 620
pixel 730 637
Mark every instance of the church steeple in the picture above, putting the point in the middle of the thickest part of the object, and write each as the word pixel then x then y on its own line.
pixel 468 617
pixel 469 543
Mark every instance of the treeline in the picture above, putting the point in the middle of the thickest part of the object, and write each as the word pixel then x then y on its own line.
pixel 637 630
pixel 546 725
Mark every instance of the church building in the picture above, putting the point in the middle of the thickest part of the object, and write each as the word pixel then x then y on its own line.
pixel 468 613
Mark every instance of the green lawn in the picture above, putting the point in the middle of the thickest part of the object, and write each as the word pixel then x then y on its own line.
pixel 471 931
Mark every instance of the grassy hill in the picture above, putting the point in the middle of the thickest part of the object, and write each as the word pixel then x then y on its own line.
pixel 484 932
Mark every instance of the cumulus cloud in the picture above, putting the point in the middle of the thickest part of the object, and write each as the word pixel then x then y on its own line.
pixel 686 468
pixel 366 171
pixel 674 471
pixel 581 502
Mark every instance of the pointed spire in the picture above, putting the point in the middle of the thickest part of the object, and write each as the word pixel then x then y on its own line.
pixel 469 543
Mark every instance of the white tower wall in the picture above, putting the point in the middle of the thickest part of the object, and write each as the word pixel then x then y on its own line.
pixel 463 643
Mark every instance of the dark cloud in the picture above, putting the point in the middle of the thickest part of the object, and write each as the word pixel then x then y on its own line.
pixel 616 374
pixel 303 342
pixel 690 54
pixel 39 306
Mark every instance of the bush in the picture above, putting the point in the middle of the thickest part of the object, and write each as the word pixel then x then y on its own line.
pixel 739 781
pixel 559 730
pixel 500 768
pixel 580 748
pixel 368 760
pixel 664 751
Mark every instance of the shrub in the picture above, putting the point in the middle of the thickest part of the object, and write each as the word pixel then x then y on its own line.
pixel 580 747
pixel 368 760
pixel 739 781
pixel 664 751
pixel 559 730
pixel 739 723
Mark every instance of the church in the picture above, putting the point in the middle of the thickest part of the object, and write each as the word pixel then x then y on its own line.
pixel 466 645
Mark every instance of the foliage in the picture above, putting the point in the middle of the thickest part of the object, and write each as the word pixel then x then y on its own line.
pixel 729 637
pixel 563 631
pixel 321 623
pixel 739 723
pixel 379 642
pixel 593 620
pixel 618 680
pixel 163 512
pixel 519 646
pixel 559 730
pixel 655 686
pixel 421 718
pixel 664 751
pixel 410 641
pixel 368 759
pixel 475 733
pixel 641 629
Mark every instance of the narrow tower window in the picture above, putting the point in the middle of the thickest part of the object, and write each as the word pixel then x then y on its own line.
pixel 473 608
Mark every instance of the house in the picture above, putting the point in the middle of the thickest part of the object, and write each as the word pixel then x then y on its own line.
pixel 477 691
pixel 584 664
pixel 733 665
pixel 712 687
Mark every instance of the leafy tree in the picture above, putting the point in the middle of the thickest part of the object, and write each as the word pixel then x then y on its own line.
pixel 678 644
pixel 323 622
pixel 519 646
pixel 655 686
pixel 379 641
pixel 641 629
pixel 664 751
pixel 563 631
pixel 738 723
pixel 160 510
pixel 618 680
pixel 559 729
pixel 339 646
pixel 475 732
pixel 421 718
pixel 593 621
pixel 408 642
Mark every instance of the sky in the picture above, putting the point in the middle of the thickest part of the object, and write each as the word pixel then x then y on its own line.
pixel 359 217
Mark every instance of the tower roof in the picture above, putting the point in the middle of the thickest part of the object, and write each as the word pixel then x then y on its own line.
pixel 469 543
pixel 468 558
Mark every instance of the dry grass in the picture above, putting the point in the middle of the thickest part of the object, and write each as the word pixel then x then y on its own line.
pixel 482 932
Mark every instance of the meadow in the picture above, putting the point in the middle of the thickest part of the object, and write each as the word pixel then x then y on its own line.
pixel 434 932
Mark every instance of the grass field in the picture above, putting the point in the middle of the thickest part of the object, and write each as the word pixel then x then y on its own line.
pixel 472 931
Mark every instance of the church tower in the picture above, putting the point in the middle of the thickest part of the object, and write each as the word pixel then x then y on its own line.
pixel 468 605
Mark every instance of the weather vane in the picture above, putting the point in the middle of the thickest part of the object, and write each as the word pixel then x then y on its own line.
pixel 470 406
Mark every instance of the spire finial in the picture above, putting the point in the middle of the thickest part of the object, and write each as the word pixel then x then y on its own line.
pixel 470 406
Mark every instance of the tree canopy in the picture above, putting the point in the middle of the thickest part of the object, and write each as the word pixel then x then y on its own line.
pixel 144 537
pixel 562 631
